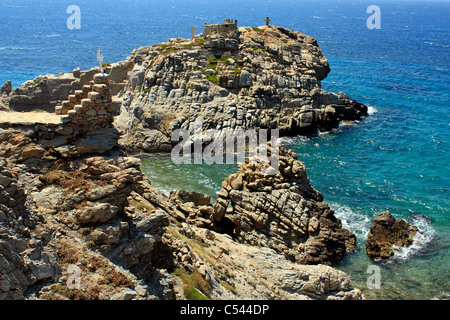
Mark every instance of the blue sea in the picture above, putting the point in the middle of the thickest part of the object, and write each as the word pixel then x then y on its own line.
pixel 396 159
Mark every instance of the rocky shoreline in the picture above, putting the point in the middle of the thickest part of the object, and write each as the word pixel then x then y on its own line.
pixel 100 214
pixel 75 204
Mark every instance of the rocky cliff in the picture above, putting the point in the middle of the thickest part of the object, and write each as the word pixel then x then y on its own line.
pixel 96 212
pixel 283 212
pixel 267 77
pixel 76 210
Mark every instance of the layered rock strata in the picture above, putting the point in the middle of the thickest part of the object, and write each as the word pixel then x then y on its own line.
pixel 241 271
pixel 94 212
pixel 100 214
pixel 282 211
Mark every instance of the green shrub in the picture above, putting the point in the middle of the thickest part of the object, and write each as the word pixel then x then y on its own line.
pixel 196 288
pixel 169 50
pixel 259 48
pixel 199 41
pixel 211 77
pixel 191 293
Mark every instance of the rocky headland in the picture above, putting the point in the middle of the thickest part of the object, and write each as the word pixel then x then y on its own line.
pixel 76 207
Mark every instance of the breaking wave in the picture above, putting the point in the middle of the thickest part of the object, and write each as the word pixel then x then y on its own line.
pixel 355 222
pixel 421 240
pixel 371 110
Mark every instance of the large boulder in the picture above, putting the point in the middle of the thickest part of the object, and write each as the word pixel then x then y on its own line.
pixel 192 207
pixel 6 88
pixel 386 233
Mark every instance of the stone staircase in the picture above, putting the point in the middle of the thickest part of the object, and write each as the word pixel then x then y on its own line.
pixel 90 106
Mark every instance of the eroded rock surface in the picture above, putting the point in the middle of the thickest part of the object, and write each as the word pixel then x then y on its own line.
pixel 90 211
pixel 283 212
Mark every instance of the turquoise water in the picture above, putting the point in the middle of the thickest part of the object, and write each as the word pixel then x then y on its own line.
pixel 396 159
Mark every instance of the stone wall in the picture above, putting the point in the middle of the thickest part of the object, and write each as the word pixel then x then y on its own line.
pixel 226 27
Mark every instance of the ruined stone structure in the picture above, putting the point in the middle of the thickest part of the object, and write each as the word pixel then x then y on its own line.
pixel 227 26
pixel 92 105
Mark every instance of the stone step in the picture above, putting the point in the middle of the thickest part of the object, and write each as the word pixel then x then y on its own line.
pixel 65 119
pixel 61 110
pixel 93 95
pixel 86 102
pixel 99 87
pixel 71 113
pixel 86 89
pixel 101 78
pixel 72 98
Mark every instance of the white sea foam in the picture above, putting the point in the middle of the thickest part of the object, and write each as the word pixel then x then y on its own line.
pixel 280 140
pixel 433 44
pixel 421 240
pixel 359 224
pixel 371 110
pixel 292 140
pixel 12 48
pixel 356 222
pixel 51 35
